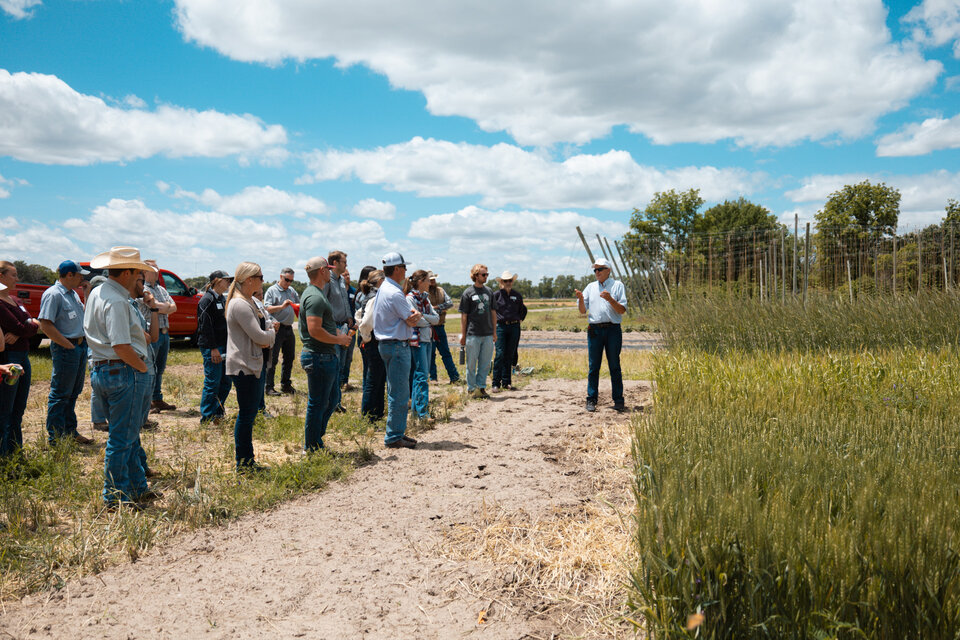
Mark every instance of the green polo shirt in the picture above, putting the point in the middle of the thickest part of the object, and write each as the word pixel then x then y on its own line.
pixel 314 303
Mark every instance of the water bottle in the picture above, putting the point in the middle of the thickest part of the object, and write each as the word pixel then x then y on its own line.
pixel 463 355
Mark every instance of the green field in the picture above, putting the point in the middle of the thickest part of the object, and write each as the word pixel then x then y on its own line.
pixel 799 476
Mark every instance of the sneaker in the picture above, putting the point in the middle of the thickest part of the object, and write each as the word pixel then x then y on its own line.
pixel 80 439
pixel 101 426
pixel 402 443
pixel 273 392
pixel 495 389
pixel 509 387
pixel 591 405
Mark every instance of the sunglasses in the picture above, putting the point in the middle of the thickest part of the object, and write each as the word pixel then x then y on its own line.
pixel 507 281
pixel 288 280
pixel 483 273
pixel 258 276
pixel 599 269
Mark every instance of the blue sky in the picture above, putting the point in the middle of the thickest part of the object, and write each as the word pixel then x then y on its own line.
pixel 207 133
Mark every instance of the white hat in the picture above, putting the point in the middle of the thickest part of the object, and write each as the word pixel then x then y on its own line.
pixel 315 264
pixel 121 258
pixel 394 259
pixel 601 262
pixel 432 276
pixel 507 275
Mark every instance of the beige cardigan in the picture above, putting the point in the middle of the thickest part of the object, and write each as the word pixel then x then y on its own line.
pixel 244 337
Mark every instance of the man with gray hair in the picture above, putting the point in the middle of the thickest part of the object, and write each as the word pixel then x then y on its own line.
pixel 280 300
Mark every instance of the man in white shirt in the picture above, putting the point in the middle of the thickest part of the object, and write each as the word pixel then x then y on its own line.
pixel 605 302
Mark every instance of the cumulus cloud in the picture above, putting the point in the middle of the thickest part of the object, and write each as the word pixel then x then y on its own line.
pixel 936 23
pixel 375 209
pixel 506 174
pixel 7 183
pixel 37 243
pixel 258 201
pixel 760 72
pixel 19 8
pixel 922 196
pixel 43 120
pixel 534 242
pixel 920 138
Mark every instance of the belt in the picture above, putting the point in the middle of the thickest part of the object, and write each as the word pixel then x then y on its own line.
pixel 101 363
pixel 164 330
pixel 77 341
pixel 392 340
pixel 603 325
pixel 509 322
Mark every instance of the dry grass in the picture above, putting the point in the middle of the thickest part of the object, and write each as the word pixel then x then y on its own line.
pixel 570 563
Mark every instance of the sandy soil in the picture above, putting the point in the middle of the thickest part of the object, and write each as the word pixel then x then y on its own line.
pixel 365 557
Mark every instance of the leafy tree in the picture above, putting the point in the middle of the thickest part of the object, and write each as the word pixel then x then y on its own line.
pixel 34 273
pixel 874 207
pixel 953 212
pixel 735 214
pixel 669 213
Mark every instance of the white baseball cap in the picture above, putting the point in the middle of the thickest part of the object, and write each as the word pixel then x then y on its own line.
pixel 394 259
pixel 601 262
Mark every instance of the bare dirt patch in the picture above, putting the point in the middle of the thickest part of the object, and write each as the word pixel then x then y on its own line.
pixel 504 523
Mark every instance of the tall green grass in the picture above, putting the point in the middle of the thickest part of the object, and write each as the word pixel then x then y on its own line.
pixel 723 323
pixel 787 489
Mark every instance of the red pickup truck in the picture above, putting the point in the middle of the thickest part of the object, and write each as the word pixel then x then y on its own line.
pixel 183 323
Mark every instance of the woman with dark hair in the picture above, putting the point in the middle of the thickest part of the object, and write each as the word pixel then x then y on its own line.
pixel 421 346
pixel 17 328
pixel 374 372
pixel 212 340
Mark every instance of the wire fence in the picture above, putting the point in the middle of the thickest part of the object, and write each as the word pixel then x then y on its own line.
pixel 777 264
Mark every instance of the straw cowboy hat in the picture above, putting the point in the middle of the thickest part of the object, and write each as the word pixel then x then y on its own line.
pixel 507 275
pixel 120 258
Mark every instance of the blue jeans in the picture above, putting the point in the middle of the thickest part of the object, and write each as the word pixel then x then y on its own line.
pixel 161 348
pixel 248 397
pixel 323 392
pixel 599 340
pixel 374 381
pixel 440 345
pixel 479 352
pixel 263 385
pixel 122 390
pixel 347 361
pixel 396 361
pixel 13 402
pixel 216 385
pixel 508 340
pixel 421 379
pixel 66 383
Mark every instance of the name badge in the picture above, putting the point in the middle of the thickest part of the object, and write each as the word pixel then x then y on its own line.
pixel 219 306
pixel 514 298
pixel 22 308
pixel 72 315
pixel 476 298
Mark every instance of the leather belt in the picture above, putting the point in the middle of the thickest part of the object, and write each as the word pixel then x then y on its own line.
pixel 101 363
pixel 77 341
pixel 603 325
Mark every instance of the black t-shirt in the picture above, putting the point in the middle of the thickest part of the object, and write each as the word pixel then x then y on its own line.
pixel 476 303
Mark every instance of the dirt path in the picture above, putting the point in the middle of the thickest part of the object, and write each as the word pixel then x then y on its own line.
pixel 370 556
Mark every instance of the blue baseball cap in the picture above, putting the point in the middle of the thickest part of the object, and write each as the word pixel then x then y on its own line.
pixel 69 266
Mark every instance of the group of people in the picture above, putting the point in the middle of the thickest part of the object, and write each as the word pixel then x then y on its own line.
pixel 122 334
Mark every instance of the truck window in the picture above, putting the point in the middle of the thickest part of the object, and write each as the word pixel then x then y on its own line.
pixel 174 286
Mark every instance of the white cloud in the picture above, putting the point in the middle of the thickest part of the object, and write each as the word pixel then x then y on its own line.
pixel 760 72
pixel 162 186
pixel 506 174
pixel 7 183
pixel 44 120
pixel 917 139
pixel 19 8
pixel 258 201
pixel 9 223
pixel 375 209
pixel 936 23
pixel 922 196
pixel 533 242
pixel 135 102
pixel 37 243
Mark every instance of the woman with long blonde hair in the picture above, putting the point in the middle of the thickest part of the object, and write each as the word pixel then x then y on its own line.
pixel 247 337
